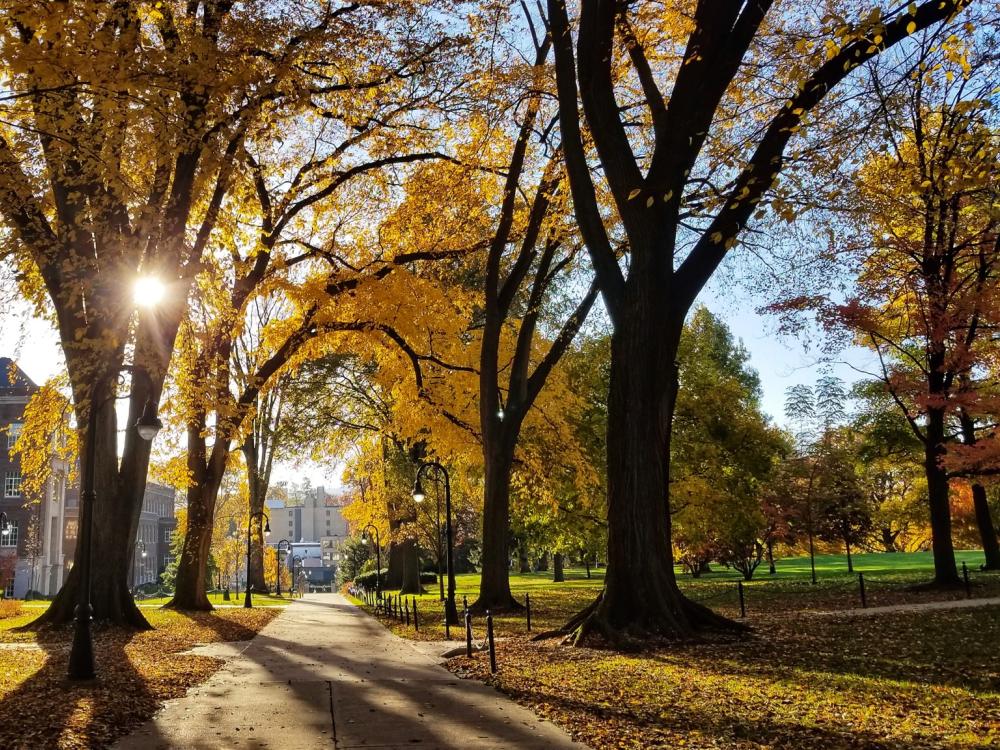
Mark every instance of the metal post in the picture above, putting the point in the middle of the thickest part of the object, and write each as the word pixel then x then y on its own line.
pixel 447 625
pixel 489 638
pixel 965 578
pixel 468 632
pixel 416 622
pixel 861 589
pixel 527 608
pixel 407 608
pixel 743 606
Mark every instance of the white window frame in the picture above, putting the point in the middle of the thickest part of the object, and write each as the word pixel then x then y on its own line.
pixel 13 432
pixel 9 541
pixel 12 484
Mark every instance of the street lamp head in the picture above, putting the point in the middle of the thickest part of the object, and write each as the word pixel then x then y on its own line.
pixel 364 538
pixel 144 553
pixel 500 414
pixel 418 491
pixel 267 527
pixel 149 423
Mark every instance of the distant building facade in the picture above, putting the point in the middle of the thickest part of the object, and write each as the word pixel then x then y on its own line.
pixel 33 547
pixel 42 536
pixel 316 530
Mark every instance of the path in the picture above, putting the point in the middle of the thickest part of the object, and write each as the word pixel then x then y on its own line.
pixel 916 607
pixel 326 675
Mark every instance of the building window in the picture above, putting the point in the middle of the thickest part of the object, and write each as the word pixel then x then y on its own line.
pixel 10 538
pixel 12 484
pixel 71 528
pixel 8 592
pixel 328 512
pixel 13 430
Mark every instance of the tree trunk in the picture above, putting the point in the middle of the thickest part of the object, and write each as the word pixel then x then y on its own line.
pixel 542 566
pixel 494 583
pixel 770 557
pixel 850 562
pixel 945 571
pixel 410 578
pixel 586 562
pixel 984 521
pixel 192 567
pixel 888 539
pixel 987 531
pixel 523 563
pixel 641 596
pixel 558 574
pixel 115 521
pixel 257 493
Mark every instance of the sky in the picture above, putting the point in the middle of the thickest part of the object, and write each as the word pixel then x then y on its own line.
pixel 781 361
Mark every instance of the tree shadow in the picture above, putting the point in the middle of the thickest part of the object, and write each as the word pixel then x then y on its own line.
pixel 49 710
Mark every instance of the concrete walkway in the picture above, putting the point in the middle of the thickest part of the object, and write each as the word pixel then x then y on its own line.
pixel 325 675
pixel 916 607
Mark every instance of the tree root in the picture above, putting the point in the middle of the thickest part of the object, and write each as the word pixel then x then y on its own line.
pixel 512 605
pixel 592 623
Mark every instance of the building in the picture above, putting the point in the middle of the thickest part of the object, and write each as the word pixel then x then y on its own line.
pixel 156 525
pixel 33 546
pixel 42 538
pixel 316 530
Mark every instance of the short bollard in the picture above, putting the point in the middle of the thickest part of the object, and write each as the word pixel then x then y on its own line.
pixel 965 578
pixel 861 590
pixel 527 609
pixel 407 608
pixel 468 632
pixel 416 623
pixel 489 638
pixel 743 605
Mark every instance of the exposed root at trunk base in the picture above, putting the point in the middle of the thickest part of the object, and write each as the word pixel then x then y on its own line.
pixel 694 623
pixel 177 606
pixel 480 608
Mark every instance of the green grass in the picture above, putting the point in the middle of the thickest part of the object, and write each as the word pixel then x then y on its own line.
pixel 259 600
pixel 889 579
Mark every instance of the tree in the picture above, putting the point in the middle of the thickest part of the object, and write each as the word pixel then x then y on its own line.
pixel 529 252
pixel 667 208
pixel 842 511
pixel 723 449
pixel 928 251
pixel 120 142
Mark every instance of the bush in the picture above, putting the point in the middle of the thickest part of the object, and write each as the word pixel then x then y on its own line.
pixel 9 608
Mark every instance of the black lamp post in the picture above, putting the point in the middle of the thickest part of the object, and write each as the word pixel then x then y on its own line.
pixel 296 561
pixel 247 596
pixel 141 547
pixel 81 655
pixel 378 556
pixel 428 467
pixel 4 531
pixel 288 547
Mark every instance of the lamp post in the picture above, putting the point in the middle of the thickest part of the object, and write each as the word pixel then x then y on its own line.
pixel 288 547
pixel 295 560
pixel 378 556
pixel 4 532
pixel 247 596
pixel 81 655
pixel 141 547
pixel 428 467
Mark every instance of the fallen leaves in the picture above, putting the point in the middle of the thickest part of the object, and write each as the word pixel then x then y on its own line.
pixel 914 680
pixel 137 672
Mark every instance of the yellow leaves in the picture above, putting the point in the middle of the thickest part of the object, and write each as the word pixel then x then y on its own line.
pixel 715 238
pixel 634 193
pixel 911 27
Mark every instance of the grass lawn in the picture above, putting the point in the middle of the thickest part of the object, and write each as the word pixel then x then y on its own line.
pixel 259 600
pixel 888 578
pixel 137 672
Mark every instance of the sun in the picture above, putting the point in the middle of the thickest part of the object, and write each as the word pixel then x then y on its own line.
pixel 148 291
